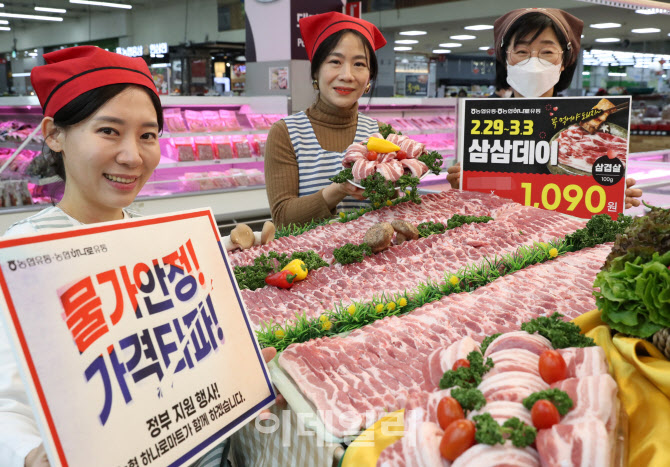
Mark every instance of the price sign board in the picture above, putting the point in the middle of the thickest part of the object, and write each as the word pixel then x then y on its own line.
pixel 132 340
pixel 567 154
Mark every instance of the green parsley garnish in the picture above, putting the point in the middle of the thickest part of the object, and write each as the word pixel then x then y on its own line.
pixel 458 220
pixel 487 341
pixel 343 176
pixel 430 228
pixel 253 276
pixel 467 377
pixel 488 431
pixel 350 253
pixel 562 334
pixel 469 398
pixel 557 397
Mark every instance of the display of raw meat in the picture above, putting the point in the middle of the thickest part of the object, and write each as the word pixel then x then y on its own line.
pixel 391 170
pixel 363 168
pixel 368 369
pixel 501 411
pixel 579 149
pixel 514 360
pixel 442 360
pixel 582 444
pixel 512 386
pixel 593 397
pixel 584 361
pixel 519 340
pixel 410 263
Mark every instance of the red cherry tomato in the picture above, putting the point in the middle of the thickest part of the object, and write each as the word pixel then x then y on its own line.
pixel 544 414
pixel 552 366
pixel 400 155
pixel 611 153
pixel 371 155
pixel 457 438
pixel 448 410
pixel 461 362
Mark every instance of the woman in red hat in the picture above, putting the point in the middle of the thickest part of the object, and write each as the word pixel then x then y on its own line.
pixel 102 118
pixel 304 150
pixel 536 54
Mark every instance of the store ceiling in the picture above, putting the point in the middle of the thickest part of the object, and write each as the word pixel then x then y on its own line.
pixel 451 18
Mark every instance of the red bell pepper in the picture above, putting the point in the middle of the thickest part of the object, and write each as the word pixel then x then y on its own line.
pixel 283 279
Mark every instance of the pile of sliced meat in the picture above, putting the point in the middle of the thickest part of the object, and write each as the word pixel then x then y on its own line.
pixel 403 267
pixel 367 374
pixel 583 437
pixel 390 165
pixel 579 149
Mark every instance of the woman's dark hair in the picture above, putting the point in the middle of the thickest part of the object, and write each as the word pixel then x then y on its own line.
pixel 331 42
pixel 85 105
pixel 532 25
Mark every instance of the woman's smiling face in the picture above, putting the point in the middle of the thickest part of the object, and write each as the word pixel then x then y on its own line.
pixel 109 156
pixel 345 73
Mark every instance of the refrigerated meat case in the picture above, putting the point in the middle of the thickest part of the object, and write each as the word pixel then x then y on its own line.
pixel 651 170
pixel 211 156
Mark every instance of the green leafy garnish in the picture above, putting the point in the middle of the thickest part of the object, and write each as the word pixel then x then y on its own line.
pixel 385 129
pixel 467 377
pixel 377 189
pixel 488 431
pixel 487 340
pixel 433 160
pixel 557 397
pixel 469 398
pixel 430 228
pixel 458 220
pixel 253 276
pixel 562 334
pixel 344 176
pixel 599 229
pixel 350 253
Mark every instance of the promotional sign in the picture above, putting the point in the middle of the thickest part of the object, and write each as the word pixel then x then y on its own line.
pixel 567 154
pixel 132 340
pixel 416 84
pixel 302 9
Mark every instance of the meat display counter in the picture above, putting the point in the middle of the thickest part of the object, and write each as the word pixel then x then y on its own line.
pixel 212 151
pixel 651 170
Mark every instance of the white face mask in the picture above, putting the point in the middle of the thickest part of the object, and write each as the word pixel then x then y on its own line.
pixel 507 93
pixel 533 79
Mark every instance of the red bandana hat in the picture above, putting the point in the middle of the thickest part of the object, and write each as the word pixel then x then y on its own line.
pixel 71 72
pixel 317 28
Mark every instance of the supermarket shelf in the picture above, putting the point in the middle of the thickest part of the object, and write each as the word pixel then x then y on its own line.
pixel 244 160
pixel 249 131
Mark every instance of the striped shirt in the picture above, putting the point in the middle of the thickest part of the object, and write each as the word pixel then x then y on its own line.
pixel 316 165
pixel 51 218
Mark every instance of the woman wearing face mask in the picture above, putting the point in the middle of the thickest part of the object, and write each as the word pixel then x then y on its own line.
pixel 102 118
pixel 304 150
pixel 536 54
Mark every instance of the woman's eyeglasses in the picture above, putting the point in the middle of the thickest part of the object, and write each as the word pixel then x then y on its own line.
pixel 548 56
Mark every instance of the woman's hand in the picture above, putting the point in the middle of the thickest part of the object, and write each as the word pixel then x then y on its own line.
pixel 268 354
pixel 37 457
pixel 335 192
pixel 632 194
pixel 454 175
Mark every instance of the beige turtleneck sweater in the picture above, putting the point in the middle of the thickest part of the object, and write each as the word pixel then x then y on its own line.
pixel 335 130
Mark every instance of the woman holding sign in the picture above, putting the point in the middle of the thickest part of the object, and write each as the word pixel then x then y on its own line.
pixel 305 149
pixel 536 54
pixel 102 118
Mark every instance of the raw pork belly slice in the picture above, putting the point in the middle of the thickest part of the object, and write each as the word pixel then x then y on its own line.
pixel 391 170
pixel 534 343
pixel 592 396
pixel 410 263
pixel 483 455
pixel 585 443
pixel 362 168
pixel 382 362
pixel 442 360
pixel 421 446
pixel 392 456
pixel 416 167
pixel 579 149
pixel 513 360
pixel 501 411
pixel 512 386
pixel 585 361
pixel 354 153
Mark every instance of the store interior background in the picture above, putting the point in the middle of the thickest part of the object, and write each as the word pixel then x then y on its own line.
pixel 198 48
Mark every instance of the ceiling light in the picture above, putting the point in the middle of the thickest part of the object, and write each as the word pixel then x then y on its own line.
pixel 407 33
pixel 645 30
pixel 479 27
pixel 586 73
pixel 646 11
pixel 111 5
pixel 50 10
pixel 401 49
pixel 441 51
pixel 5 28
pixel 37 17
pixel 612 73
pixel 20 75
pixel 160 65
pixel 605 25
pixel 406 41
pixel 608 39
pixel 486 47
pixel 451 44
pixel 462 37
pixel 241 58
pixel 4 21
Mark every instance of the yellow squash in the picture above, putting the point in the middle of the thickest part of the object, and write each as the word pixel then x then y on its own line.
pixel 298 268
pixel 381 146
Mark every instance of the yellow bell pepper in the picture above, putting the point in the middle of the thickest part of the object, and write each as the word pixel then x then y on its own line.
pixel 381 146
pixel 298 268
